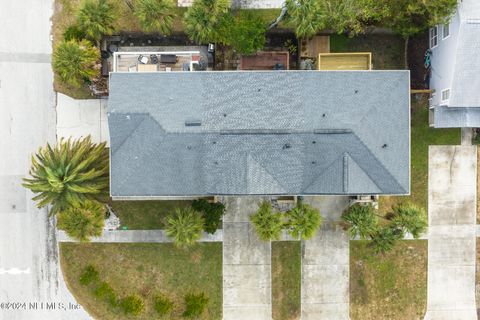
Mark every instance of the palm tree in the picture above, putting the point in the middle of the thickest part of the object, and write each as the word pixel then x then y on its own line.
pixel 69 173
pixel 268 224
pixel 361 220
pixel 96 18
pixel 408 218
pixel 384 239
pixel 155 15
pixel 82 221
pixel 185 226
pixel 202 19
pixel 75 62
pixel 303 221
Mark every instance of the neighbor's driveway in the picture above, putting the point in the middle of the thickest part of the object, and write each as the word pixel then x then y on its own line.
pixel 451 239
pixel 29 268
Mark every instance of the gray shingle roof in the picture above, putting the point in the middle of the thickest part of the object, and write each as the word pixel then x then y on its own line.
pixel 465 90
pixel 450 117
pixel 279 132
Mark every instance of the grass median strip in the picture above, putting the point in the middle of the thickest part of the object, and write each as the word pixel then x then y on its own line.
pixel 391 285
pixel 286 280
pixel 147 271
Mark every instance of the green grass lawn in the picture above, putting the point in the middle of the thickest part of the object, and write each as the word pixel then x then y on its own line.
pixel 146 269
pixel 390 286
pixel 145 215
pixel 387 50
pixel 286 280
pixel 422 136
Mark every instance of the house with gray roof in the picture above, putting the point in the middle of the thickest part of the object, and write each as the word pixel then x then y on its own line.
pixel 455 69
pixel 190 134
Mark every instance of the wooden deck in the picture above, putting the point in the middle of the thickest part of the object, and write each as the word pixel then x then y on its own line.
pixel 129 62
pixel 265 60
pixel 345 61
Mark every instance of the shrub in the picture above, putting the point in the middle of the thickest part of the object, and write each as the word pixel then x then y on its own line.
pixel 105 292
pixel 185 226
pixel 96 18
pixel 361 220
pixel 69 174
pixel 268 224
pixel 211 212
pixel 155 15
pixel 162 305
pixel 82 221
pixel 89 275
pixel 203 19
pixel 75 62
pixel 195 305
pixel 303 221
pixel 132 305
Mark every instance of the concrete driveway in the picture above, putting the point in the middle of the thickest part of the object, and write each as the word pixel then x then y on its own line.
pixel 29 269
pixel 325 264
pixel 451 247
pixel 247 274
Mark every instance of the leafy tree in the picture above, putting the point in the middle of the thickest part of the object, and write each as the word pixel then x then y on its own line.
pixel 162 305
pixel 247 34
pixel 89 275
pixel 211 212
pixel 83 220
pixel 303 221
pixel 195 305
pixel 268 224
pixel 185 226
pixel 95 18
pixel 384 239
pixel 75 62
pixel 155 15
pixel 69 174
pixel 409 17
pixel 306 16
pixel 203 18
pixel 408 218
pixel 361 220
pixel 132 305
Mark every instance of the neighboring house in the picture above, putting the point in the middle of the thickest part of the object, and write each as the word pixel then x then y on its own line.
pixel 188 134
pixel 455 69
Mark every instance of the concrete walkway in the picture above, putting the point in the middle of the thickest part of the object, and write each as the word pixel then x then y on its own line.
pixel 452 237
pixel 246 264
pixel 77 118
pixel 130 236
pixel 325 265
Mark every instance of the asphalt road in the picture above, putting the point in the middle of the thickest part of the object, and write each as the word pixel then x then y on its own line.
pixel 31 284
